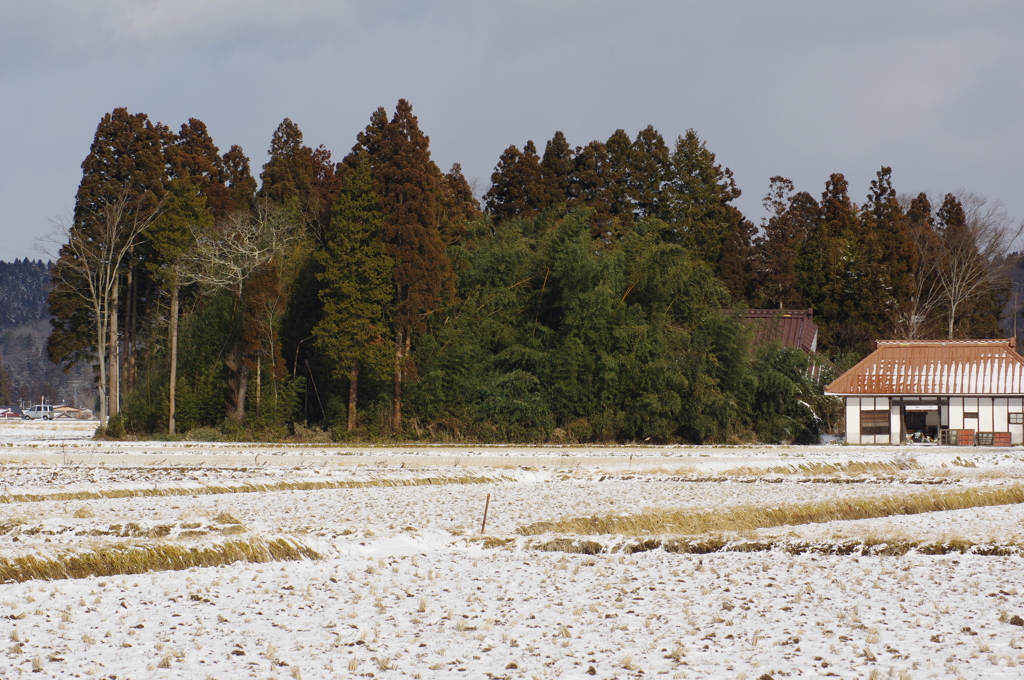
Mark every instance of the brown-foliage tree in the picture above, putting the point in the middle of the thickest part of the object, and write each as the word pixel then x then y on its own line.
pixel 517 185
pixel 405 179
pixel 301 177
pixel 775 249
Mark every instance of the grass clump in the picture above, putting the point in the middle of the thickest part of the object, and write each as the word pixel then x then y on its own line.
pixel 240 488
pixel 750 517
pixel 119 560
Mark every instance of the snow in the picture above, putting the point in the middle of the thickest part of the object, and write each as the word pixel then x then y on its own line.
pixel 407 588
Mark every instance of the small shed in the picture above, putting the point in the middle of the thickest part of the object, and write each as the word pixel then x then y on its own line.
pixel 935 390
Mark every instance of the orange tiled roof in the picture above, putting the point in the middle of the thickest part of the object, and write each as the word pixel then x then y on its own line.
pixel 936 367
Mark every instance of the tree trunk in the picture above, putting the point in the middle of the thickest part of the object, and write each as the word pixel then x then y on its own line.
pixel 173 380
pixel 239 382
pixel 101 357
pixel 115 358
pixel 353 389
pixel 952 318
pixel 396 414
pixel 259 383
pixel 130 312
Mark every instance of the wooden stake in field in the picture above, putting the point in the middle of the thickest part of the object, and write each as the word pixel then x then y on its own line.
pixel 487 504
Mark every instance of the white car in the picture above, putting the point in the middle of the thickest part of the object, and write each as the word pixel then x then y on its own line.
pixel 44 411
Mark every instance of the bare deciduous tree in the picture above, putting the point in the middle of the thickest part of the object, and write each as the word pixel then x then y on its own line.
pixel 227 257
pixel 90 266
pixel 969 261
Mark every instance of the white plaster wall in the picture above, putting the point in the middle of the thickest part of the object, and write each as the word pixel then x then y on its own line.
pixel 895 424
pixel 853 420
pixel 1000 408
pixel 956 413
pixel 985 415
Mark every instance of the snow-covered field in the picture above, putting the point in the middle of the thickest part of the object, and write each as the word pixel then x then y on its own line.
pixel 406 585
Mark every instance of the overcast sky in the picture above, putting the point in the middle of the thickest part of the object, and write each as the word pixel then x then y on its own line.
pixel 803 89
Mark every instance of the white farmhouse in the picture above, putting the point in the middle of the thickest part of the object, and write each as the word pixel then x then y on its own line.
pixel 935 389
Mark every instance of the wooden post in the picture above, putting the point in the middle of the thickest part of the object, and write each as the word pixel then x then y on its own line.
pixel 487 505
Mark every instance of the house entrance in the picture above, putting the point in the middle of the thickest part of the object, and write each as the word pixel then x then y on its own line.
pixel 921 425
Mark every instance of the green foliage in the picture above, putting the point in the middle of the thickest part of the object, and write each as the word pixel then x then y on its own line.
pixel 355 275
pixel 586 305
pixel 782 393
pixel 555 338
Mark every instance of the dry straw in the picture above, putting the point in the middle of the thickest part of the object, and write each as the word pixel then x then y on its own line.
pixel 750 517
pixel 240 488
pixel 118 560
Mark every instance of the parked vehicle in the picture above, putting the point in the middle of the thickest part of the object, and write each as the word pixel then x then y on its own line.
pixel 39 411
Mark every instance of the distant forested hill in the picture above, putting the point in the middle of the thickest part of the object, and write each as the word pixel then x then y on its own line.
pixel 26 372
pixel 24 285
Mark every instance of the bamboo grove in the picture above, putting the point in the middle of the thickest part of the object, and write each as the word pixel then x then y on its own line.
pixel 587 299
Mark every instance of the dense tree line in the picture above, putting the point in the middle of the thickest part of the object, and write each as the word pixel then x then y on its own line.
pixel 24 285
pixel 585 300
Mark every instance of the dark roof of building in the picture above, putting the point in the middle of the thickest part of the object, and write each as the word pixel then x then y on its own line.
pixel 790 327
pixel 936 367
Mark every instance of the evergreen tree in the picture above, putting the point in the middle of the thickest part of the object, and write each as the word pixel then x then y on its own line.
pixel 556 168
pixel 517 186
pixel 172 237
pixel 698 194
pixel 776 248
pixel 358 289
pixel 239 179
pixel 193 155
pixel 822 264
pixel 368 141
pixel 456 205
pixel 648 167
pixel 915 314
pixel 287 174
pixel 405 179
pixel 620 203
pixel 589 182
pixel 300 177
pixel 735 266
pixel 889 278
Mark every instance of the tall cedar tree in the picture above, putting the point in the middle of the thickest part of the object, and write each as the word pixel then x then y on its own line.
pixel 735 266
pixel 517 185
pixel 405 179
pixel 884 224
pixel 700 192
pixel 240 181
pixel 775 250
pixel 555 169
pixel 192 155
pixel 456 205
pixel 915 316
pixel 357 285
pixel 303 180
pixel 648 166
pixel 822 263
pixel 593 185
pixel 301 177
pixel 620 205
pixel 126 169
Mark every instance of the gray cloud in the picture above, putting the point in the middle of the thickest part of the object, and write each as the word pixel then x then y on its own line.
pixel 796 88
